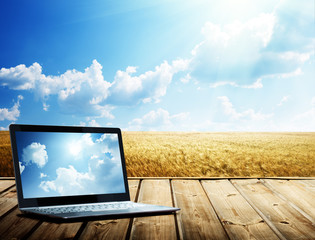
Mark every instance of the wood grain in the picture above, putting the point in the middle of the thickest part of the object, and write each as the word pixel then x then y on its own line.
pixel 296 194
pixel 14 226
pixel 157 192
pixel 4 185
pixel 196 219
pixel 56 231
pixel 290 223
pixel 239 219
pixel 111 229
pixel 8 201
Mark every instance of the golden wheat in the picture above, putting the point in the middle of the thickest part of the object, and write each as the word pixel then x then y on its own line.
pixel 219 154
pixel 171 154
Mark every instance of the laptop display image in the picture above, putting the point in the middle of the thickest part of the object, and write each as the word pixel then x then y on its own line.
pixel 74 172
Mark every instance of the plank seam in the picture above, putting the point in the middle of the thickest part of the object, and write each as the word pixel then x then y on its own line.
pixel 8 212
pixel 129 229
pixel 175 214
pixel 80 231
pixel 267 185
pixel 5 192
pixel 261 214
pixel 29 233
pixel 215 211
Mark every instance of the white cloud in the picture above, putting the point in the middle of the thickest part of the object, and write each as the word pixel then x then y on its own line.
pixel 75 181
pixel 186 79
pixel 283 100
pixel 82 93
pixel 228 51
pixel 21 77
pixel 22 167
pixel 87 93
pixel 104 169
pixel 249 114
pixel 13 113
pixel 234 54
pixel 42 175
pixel 35 153
pixel 149 86
pixel 159 119
pixel 255 85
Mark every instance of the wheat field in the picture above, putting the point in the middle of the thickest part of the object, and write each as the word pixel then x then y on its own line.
pixel 179 154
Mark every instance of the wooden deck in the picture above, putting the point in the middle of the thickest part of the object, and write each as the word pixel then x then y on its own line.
pixel 210 209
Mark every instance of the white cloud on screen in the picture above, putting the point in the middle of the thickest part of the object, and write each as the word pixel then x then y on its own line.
pixel 13 113
pixel 35 153
pixel 42 175
pixel 104 169
pixel 22 167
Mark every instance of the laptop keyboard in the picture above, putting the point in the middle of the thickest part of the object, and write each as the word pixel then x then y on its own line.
pixel 88 208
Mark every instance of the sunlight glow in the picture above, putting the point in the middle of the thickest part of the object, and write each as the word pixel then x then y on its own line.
pixel 74 148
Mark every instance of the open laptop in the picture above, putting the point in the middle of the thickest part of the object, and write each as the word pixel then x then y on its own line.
pixel 73 173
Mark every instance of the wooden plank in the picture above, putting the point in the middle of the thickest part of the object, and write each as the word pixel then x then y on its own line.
pixel 156 192
pixel 111 229
pixel 296 194
pixel 289 222
pixel 14 226
pixel 49 230
pixel 6 184
pixel 239 219
pixel 196 219
pixel 307 184
pixel 8 201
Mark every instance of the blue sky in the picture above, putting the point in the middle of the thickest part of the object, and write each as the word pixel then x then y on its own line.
pixel 46 170
pixel 164 65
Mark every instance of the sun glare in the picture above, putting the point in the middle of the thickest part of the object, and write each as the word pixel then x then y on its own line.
pixel 74 148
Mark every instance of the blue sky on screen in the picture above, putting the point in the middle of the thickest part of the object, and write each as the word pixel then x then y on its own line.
pixel 58 164
pixel 159 65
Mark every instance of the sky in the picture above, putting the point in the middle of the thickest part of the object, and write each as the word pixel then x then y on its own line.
pixel 159 65
pixel 49 161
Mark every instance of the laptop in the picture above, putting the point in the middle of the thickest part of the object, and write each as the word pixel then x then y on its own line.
pixel 66 172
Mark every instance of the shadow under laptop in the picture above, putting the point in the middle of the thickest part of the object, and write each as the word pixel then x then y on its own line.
pixel 52 219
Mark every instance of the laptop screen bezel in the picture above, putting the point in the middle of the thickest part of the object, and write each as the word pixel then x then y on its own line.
pixel 65 200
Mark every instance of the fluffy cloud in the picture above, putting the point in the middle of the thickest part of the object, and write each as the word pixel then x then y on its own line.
pixel 13 113
pixel 147 87
pixel 78 92
pixel 35 153
pixel 74 179
pixel 104 169
pixel 255 85
pixel 42 175
pixel 22 167
pixel 235 54
pixel 249 114
pixel 228 51
pixel 159 119
pixel 87 93
pixel 21 77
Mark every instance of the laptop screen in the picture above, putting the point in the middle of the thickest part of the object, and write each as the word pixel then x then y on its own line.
pixel 58 164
